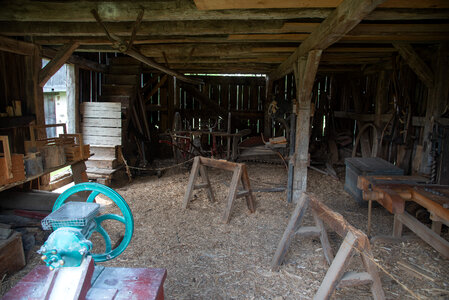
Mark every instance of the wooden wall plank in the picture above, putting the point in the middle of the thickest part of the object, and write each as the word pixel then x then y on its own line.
pixel 101 114
pixel 102 140
pixel 102 131
pixel 103 123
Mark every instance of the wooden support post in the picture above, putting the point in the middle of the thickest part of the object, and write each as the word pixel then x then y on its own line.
pixel 381 97
pixel 56 63
pixel 291 161
pixel 239 174
pixel 228 138
pixel 34 92
pixel 73 117
pixel 354 240
pixel 266 116
pixel 436 102
pixel 170 101
pixel 305 78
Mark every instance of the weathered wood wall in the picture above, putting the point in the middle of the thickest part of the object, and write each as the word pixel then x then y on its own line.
pixel 13 80
pixel 244 97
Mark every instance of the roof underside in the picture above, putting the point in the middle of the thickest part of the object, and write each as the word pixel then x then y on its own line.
pixel 220 36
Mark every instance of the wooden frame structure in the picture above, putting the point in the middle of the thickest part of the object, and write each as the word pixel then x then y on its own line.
pixel 393 191
pixel 354 240
pixel 239 174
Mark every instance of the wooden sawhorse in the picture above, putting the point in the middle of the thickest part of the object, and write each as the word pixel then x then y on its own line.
pixel 353 239
pixel 240 174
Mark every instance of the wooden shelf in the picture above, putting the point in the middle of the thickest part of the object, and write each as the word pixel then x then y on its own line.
pixel 28 179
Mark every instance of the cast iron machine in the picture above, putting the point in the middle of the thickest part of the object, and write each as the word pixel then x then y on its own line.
pixel 69 254
pixel 74 222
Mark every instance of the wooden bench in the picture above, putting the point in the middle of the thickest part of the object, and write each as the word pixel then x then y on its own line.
pixel 393 191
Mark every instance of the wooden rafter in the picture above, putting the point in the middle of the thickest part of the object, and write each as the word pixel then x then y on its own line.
pixel 251 4
pixel 415 63
pixel 126 48
pixel 81 62
pixel 56 63
pixel 207 27
pixel 15 46
pixel 343 19
pixel 122 11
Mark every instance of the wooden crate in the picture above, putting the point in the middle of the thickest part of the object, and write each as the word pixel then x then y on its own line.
pixel 35 143
pixel 102 123
pixel 17 169
pixel 76 150
pixel 12 258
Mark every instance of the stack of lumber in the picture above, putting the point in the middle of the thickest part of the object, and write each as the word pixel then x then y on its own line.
pixel 102 129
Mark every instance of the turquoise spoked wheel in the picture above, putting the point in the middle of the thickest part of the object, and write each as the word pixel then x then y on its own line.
pixel 126 218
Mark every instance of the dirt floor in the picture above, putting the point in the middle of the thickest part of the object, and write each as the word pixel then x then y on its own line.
pixel 206 259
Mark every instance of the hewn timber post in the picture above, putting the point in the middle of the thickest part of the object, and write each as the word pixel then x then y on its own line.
pixel 305 78
pixel 266 116
pixel 381 98
pixel 436 102
pixel 36 92
pixel 73 117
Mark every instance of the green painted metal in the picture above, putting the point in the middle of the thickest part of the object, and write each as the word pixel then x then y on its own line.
pixel 127 218
pixel 65 247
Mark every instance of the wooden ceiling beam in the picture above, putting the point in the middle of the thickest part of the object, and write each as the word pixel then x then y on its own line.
pixel 415 63
pixel 342 20
pixel 181 10
pixel 166 28
pixel 81 62
pixel 382 38
pixel 15 46
pixel 56 63
pixel 257 4
pixel 191 28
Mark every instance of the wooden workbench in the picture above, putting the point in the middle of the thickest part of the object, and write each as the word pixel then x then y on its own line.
pixel 393 191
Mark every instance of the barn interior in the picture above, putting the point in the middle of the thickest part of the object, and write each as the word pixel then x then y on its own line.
pixel 328 113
